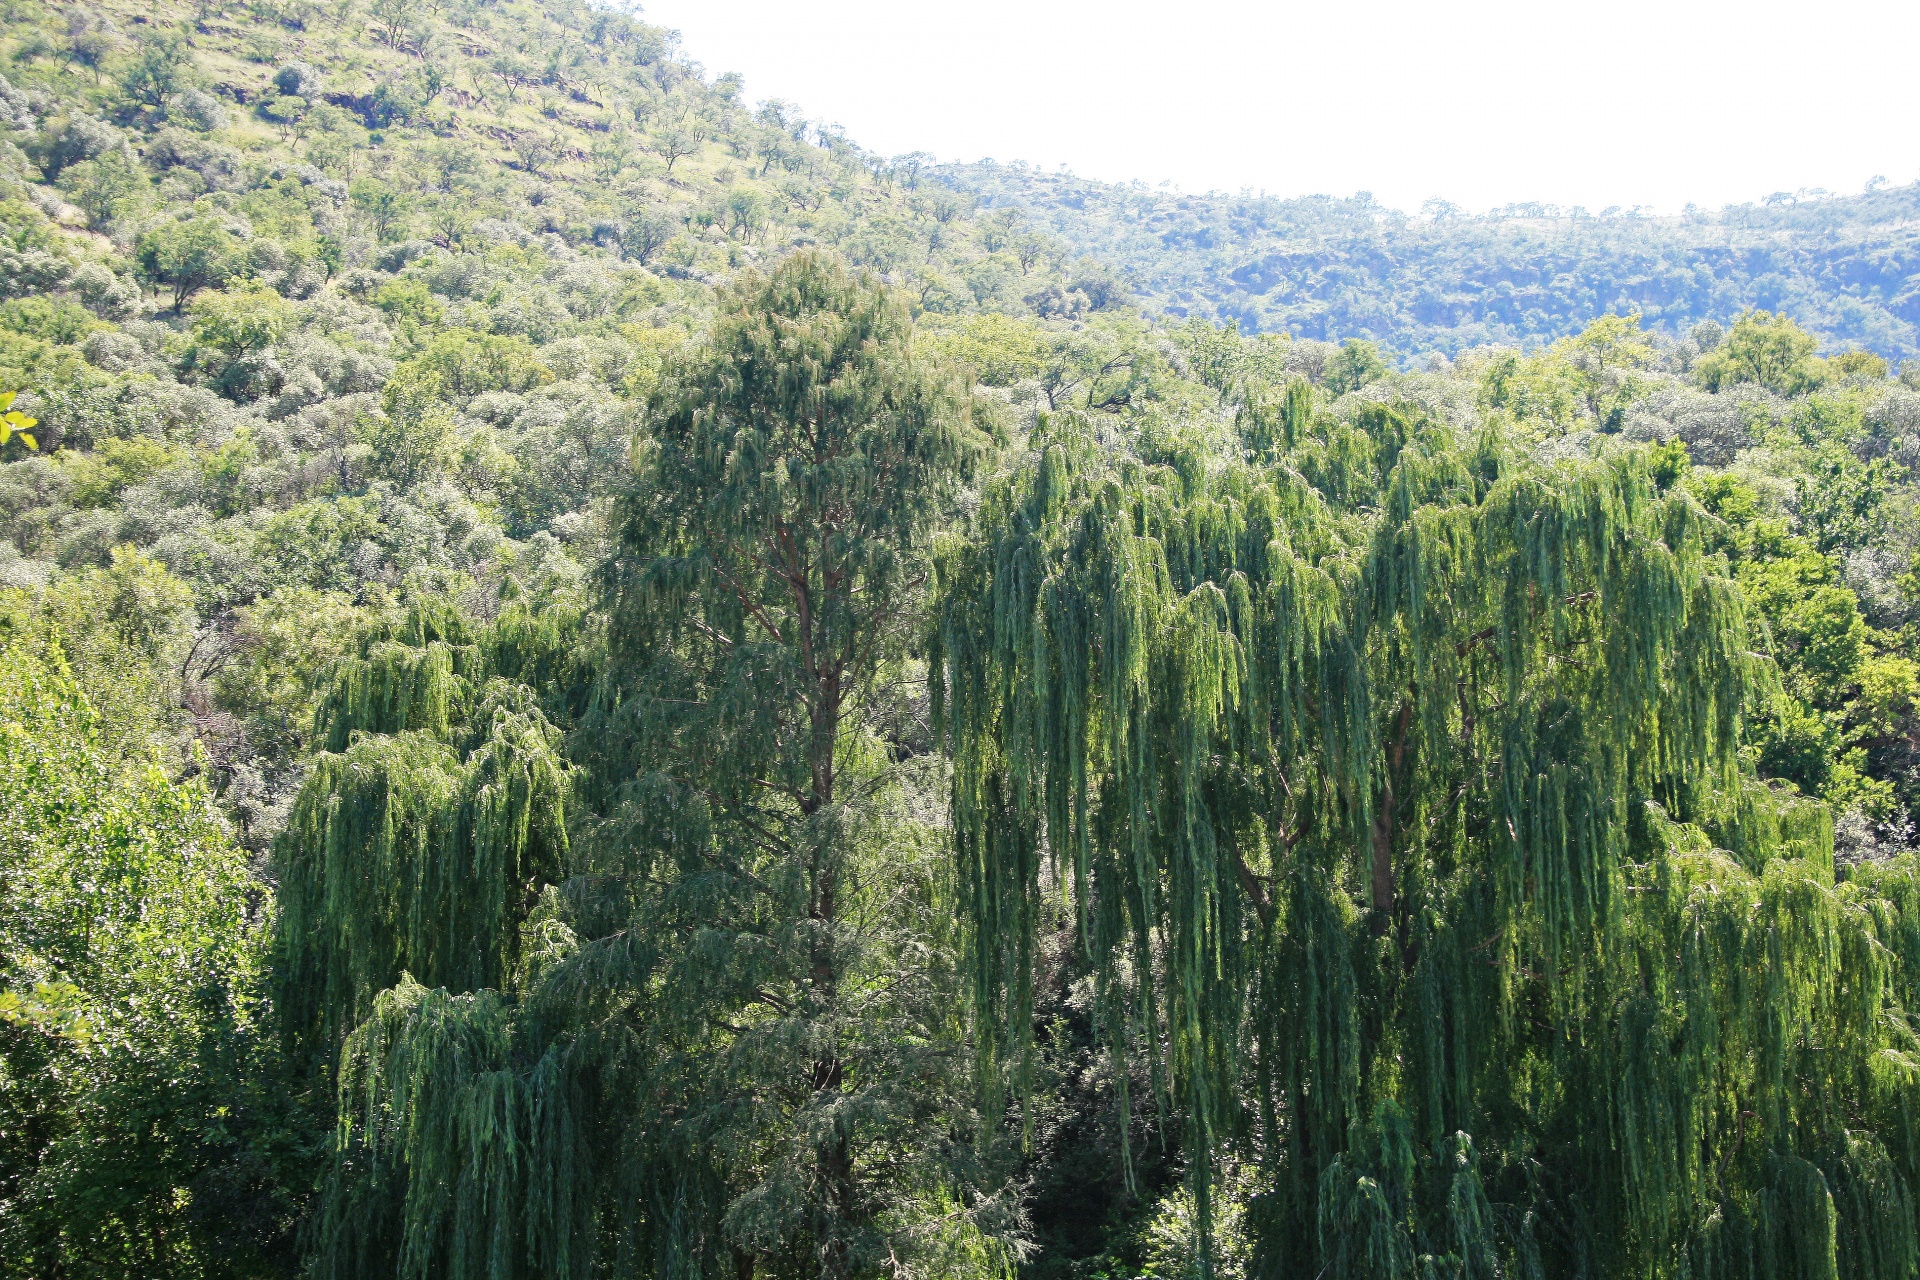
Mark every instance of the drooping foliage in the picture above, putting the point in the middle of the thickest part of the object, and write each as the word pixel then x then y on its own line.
pixel 731 1043
pixel 423 834
pixel 1395 783
pixel 327 311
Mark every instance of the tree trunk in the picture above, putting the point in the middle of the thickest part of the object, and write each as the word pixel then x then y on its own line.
pixel 836 1189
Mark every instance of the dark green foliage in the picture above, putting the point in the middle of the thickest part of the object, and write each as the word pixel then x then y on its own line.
pixel 1343 751
pixel 732 1044
pixel 763 588
pixel 1215 702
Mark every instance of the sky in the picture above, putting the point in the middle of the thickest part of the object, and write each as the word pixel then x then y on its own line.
pixel 1656 103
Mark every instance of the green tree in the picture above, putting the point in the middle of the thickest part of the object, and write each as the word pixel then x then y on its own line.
pixel 1843 500
pixel 143 1128
pixel 415 433
pixel 678 141
pixel 461 364
pixel 384 207
pixel 108 187
pixel 1840 688
pixel 739 1052
pixel 396 19
pixel 1605 357
pixel 157 69
pixel 422 836
pixel 1767 349
pixel 1855 363
pixel 188 255
pixel 1103 366
pixel 798 465
pixel 1385 777
pixel 241 321
pixel 745 213
pixel 1356 364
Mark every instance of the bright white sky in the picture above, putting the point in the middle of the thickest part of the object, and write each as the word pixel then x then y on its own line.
pixel 1482 102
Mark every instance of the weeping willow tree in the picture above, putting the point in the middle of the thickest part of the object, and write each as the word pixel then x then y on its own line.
pixel 424 831
pixel 731 1042
pixel 1393 785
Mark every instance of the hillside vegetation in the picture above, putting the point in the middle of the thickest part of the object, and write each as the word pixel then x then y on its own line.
pixel 1323 267
pixel 596 681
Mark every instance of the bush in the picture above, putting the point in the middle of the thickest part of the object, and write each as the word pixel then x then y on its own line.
pixel 298 80
pixel 139 1073
pixel 198 110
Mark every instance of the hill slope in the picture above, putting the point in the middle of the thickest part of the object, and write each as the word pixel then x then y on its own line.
pixel 1320 267
pixel 343 325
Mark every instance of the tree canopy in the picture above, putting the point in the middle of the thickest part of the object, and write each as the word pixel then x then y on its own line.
pixel 1389 778
pixel 598 681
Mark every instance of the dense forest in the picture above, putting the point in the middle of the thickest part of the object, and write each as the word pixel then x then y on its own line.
pixel 595 681
pixel 1445 280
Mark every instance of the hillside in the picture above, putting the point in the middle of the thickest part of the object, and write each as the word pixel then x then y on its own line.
pixel 230 228
pixel 595 681
pixel 1848 267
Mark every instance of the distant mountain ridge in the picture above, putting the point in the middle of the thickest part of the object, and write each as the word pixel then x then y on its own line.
pixel 1325 267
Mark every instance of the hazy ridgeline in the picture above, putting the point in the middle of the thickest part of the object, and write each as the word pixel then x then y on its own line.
pixel 597 682
pixel 1446 280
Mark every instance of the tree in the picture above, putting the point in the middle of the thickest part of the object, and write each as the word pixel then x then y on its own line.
pixel 396 19
pixel 1383 776
pixel 739 1053
pixel 1605 357
pixel 1855 363
pixel 645 234
pixel 678 141
pixel 1767 349
pixel 419 840
pixel 188 256
pixel 141 1107
pixel 745 213
pixel 534 151
pixel 415 433
pixel 1357 364
pixel 460 364
pixel 90 38
pixel 764 592
pixel 157 70
pixel 107 187
pixel 385 208
pixel 612 154
pixel 1843 500
pixel 299 80
pixel 242 320
pixel 1100 366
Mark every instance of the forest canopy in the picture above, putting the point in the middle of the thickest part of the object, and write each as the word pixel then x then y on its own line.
pixel 596 681
pixel 1443 279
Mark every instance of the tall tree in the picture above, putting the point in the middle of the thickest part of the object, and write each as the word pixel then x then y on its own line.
pixel 733 1043
pixel 1396 782
pixel 764 602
